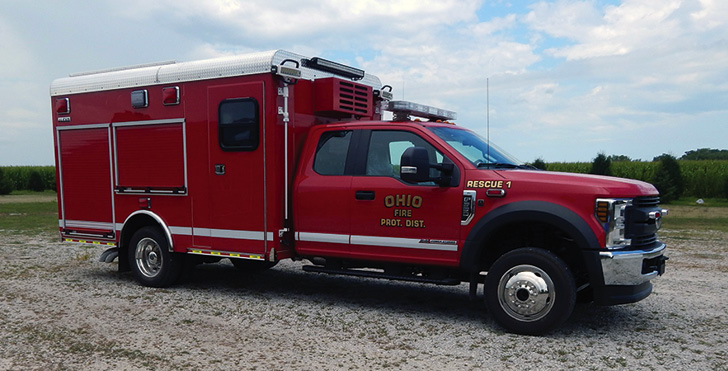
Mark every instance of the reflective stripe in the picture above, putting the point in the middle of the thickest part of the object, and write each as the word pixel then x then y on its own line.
pixel 322 237
pixel 226 254
pixel 91 242
pixel 407 243
pixel 85 224
pixel 229 233
pixel 176 230
pixel 184 231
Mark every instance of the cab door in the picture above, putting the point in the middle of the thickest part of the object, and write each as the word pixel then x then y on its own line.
pixel 323 201
pixel 398 221
pixel 236 170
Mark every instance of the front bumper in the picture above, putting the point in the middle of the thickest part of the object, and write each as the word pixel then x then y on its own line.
pixel 632 267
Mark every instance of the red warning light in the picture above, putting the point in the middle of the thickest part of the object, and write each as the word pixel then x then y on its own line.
pixel 170 95
pixel 63 106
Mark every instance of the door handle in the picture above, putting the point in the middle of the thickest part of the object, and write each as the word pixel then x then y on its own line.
pixel 219 169
pixel 365 195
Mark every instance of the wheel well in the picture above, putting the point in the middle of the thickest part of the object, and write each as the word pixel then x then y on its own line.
pixel 534 234
pixel 130 227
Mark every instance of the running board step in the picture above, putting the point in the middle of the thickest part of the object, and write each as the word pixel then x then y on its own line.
pixel 370 274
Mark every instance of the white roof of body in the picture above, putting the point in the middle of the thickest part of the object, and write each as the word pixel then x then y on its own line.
pixel 172 73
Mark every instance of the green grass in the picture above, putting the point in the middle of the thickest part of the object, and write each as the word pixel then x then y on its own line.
pixel 26 192
pixel 29 218
pixel 712 224
pixel 692 201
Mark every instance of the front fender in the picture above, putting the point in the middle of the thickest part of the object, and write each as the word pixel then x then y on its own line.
pixel 548 213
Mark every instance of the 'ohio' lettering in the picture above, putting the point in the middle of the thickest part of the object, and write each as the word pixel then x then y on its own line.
pixel 403 201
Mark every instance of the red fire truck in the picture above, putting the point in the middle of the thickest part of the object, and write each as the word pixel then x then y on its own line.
pixel 269 156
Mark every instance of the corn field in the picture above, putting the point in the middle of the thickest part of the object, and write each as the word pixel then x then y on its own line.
pixel 36 178
pixel 703 179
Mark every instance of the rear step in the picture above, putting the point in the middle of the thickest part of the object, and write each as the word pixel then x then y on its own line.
pixel 370 274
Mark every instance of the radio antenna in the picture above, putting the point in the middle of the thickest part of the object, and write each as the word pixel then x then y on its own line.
pixel 487 114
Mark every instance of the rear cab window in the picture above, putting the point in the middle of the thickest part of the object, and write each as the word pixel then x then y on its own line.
pixel 332 152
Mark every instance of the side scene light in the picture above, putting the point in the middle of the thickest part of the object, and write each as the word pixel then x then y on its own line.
pixel 139 99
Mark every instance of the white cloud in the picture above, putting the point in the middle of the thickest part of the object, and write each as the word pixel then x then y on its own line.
pixel 711 14
pixel 295 19
pixel 17 60
pixel 617 30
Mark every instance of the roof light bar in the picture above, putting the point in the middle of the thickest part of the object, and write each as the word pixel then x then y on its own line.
pixel 403 108
pixel 325 65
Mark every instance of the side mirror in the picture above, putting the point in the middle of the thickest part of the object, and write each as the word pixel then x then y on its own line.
pixel 415 165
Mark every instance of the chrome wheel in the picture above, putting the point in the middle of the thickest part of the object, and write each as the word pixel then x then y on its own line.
pixel 526 293
pixel 530 291
pixel 148 257
pixel 151 260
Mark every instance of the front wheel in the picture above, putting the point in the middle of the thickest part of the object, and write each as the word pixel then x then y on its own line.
pixel 530 291
pixel 150 259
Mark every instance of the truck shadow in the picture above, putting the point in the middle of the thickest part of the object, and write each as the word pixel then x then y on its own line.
pixel 446 303
pixel 292 282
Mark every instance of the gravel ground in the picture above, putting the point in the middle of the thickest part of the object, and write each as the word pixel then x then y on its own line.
pixel 61 309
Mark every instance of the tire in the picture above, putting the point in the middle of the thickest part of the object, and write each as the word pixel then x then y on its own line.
pixel 151 261
pixel 252 265
pixel 530 291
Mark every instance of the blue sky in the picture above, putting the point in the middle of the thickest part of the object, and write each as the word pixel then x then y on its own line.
pixel 568 79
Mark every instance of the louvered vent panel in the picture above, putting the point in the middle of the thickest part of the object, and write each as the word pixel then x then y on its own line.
pixel 339 98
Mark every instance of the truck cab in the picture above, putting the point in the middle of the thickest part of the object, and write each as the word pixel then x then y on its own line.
pixel 432 202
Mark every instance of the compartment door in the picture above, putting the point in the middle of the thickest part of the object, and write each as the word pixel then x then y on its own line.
pixel 236 171
pixel 84 168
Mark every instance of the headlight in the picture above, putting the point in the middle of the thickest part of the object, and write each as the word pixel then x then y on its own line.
pixel 611 213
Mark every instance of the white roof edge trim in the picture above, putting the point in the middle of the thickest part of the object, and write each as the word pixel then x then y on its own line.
pixel 159 74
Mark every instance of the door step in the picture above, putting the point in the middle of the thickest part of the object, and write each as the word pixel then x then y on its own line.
pixel 382 275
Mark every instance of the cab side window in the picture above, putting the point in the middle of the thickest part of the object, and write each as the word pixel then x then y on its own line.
pixel 238 124
pixel 331 153
pixel 386 148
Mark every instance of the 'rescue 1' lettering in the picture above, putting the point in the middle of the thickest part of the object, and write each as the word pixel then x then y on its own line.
pixel 488 184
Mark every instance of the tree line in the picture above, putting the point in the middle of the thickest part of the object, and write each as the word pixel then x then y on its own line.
pixel 701 173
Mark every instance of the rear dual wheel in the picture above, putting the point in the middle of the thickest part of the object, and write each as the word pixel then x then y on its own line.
pixel 530 291
pixel 151 261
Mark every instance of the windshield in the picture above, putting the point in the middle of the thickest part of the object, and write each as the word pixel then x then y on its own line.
pixel 476 149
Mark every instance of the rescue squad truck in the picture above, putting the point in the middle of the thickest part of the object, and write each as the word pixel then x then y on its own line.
pixel 269 156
